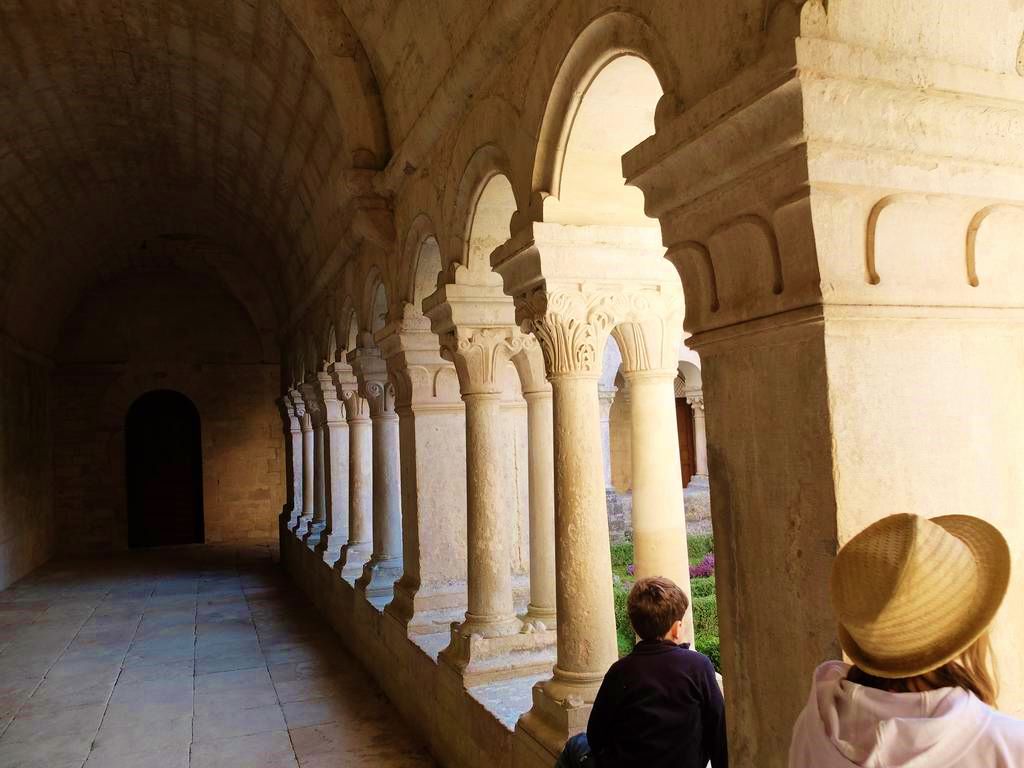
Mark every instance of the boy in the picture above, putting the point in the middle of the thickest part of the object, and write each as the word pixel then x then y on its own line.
pixel 660 706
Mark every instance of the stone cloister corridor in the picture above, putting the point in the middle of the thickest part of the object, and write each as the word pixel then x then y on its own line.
pixel 480 311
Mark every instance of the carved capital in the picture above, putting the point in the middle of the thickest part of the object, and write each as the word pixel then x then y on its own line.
pixel 328 398
pixel 298 403
pixel 573 326
pixel 480 355
pixel 380 394
pixel 696 402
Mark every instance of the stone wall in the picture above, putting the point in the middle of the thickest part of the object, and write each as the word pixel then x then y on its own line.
pixel 243 463
pixel 27 530
pixel 177 332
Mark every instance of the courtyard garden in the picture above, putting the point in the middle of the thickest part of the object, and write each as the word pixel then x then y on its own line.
pixel 702 586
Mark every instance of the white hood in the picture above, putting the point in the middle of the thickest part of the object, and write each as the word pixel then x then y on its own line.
pixel 846 725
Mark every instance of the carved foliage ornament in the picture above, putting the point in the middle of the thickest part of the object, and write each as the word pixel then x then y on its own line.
pixel 573 327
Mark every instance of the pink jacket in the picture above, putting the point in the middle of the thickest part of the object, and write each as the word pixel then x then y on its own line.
pixel 845 725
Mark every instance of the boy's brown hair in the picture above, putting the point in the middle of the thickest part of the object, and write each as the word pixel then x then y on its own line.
pixel 654 605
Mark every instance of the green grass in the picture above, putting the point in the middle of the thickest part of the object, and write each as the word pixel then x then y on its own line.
pixel 705 606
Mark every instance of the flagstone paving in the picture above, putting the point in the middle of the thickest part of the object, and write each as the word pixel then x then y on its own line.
pixel 198 657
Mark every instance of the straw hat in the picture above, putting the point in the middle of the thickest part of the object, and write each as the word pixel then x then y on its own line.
pixel 912 594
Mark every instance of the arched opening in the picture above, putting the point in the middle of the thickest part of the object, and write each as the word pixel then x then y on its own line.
pixel 163 444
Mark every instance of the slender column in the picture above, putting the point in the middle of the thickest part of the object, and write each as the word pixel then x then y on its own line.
pixel 385 565
pixel 700 437
pixel 319 520
pixel 308 485
pixel 356 550
pixel 659 521
pixel 336 448
pixel 293 451
pixel 537 392
pixel 606 396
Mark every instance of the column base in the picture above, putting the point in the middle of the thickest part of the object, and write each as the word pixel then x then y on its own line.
pixel 426 610
pixel 330 546
pixel 540 618
pixel 313 534
pixel 379 577
pixel 478 660
pixel 551 721
pixel 353 557
pixel 302 526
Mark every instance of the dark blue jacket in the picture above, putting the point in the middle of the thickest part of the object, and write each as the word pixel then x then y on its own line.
pixel 659 707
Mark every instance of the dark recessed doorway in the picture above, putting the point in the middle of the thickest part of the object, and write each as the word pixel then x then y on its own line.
pixel 164 470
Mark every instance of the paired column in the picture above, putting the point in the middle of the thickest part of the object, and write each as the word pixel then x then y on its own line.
pixel 308 485
pixel 572 314
pixel 606 396
pixel 475 323
pixel 385 565
pixel 356 550
pixel 336 448
pixel 700 437
pixel 293 453
pixel 318 521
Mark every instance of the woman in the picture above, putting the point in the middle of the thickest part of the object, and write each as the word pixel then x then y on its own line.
pixel 914 599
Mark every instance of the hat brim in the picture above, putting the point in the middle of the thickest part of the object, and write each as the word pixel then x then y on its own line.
pixel 992 554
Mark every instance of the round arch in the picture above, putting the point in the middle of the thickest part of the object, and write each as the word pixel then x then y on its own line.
pixel 606 38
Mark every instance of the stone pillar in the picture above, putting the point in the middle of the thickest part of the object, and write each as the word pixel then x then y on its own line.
pixel 700 438
pixel 384 567
pixel 477 332
pixel 569 293
pixel 537 392
pixel 335 533
pixel 318 521
pixel 308 484
pixel 432 428
pixel 293 453
pixel 855 236
pixel 659 519
pixel 356 550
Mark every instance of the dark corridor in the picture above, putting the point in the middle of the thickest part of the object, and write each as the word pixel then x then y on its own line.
pixel 164 471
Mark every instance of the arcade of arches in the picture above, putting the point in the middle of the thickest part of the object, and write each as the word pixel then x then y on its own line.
pixel 449 282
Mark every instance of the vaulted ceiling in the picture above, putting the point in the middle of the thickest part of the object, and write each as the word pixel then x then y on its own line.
pixel 128 121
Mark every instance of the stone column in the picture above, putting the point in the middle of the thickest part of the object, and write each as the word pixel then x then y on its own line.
pixel 659 519
pixel 293 453
pixel 476 329
pixel 356 550
pixel 606 396
pixel 335 533
pixel 432 428
pixel 317 523
pixel 308 484
pixel 537 392
pixel 700 438
pixel 385 565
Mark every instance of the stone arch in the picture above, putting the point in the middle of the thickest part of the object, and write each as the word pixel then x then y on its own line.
pixel 486 165
pixel 422 252
pixel 608 37
pixel 374 302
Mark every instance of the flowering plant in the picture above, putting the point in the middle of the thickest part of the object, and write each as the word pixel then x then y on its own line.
pixel 704 568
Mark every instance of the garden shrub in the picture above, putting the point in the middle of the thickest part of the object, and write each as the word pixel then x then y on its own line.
pixel 705 616
pixel 698 545
pixel 709 646
pixel 702 587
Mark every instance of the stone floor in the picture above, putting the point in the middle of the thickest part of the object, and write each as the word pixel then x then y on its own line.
pixel 196 656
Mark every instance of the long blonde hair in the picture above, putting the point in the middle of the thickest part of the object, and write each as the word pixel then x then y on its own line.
pixel 973 670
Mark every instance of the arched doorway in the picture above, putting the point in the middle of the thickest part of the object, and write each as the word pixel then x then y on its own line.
pixel 164 471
